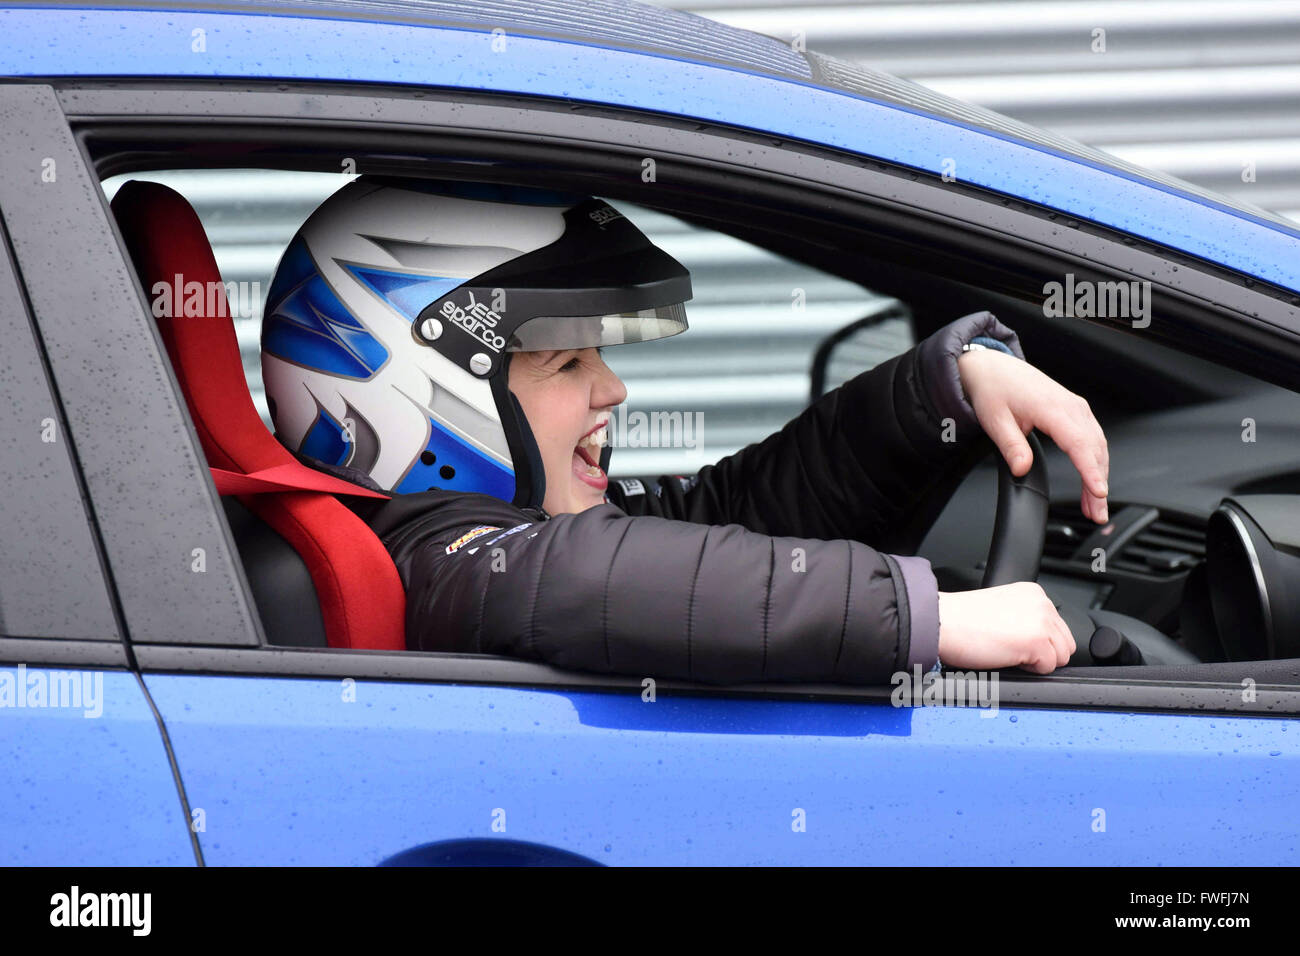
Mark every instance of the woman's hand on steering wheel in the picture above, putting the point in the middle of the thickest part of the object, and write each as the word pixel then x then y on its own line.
pixel 1011 398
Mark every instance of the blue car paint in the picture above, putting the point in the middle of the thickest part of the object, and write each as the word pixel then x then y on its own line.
pixel 289 771
pixel 123 42
pixel 88 790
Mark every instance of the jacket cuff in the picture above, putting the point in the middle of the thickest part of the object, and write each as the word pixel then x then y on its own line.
pixel 937 363
pixel 923 610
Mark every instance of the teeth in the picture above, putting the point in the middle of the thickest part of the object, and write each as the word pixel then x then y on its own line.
pixel 596 439
pixel 593 471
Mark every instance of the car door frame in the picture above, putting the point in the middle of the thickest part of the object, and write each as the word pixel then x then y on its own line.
pixel 960 224
pixel 62 807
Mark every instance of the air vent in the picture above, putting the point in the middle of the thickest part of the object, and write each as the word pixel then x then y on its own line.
pixel 1168 546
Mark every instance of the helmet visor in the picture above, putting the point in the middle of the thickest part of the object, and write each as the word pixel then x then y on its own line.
pixel 546 332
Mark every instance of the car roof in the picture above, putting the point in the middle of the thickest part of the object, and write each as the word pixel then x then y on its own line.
pixel 621 53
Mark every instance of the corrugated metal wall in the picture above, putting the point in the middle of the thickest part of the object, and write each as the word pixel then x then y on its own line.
pixel 1195 88
pixel 1202 89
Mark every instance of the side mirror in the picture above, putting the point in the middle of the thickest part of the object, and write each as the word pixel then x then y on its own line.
pixel 860 345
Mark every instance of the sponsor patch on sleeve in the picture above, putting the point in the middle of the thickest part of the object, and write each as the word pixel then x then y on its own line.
pixel 469 536
pixel 505 534
pixel 631 486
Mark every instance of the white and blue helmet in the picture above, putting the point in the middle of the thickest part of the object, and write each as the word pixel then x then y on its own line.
pixel 392 315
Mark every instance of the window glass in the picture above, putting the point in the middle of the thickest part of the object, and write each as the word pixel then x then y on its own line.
pixel 742 369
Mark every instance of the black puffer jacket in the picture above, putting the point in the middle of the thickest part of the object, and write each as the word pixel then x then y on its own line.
pixel 759 568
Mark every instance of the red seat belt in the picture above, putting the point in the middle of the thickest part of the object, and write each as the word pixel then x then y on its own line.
pixel 287 477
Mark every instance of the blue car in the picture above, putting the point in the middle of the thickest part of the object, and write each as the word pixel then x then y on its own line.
pixel 173 691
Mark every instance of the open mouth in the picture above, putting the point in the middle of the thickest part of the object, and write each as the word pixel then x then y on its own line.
pixel 586 457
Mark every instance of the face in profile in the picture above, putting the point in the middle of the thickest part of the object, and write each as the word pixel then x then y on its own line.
pixel 568 397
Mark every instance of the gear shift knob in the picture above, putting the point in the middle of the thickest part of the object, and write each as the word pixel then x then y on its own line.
pixel 1109 647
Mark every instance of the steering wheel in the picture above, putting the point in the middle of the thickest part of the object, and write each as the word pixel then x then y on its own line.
pixel 1020 526
pixel 1016 550
pixel 1019 532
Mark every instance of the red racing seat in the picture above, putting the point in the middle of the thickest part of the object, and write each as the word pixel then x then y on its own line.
pixel 362 602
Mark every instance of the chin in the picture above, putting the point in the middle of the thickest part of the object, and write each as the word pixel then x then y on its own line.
pixel 579 499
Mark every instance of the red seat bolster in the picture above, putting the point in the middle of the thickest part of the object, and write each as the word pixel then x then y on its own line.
pixel 363 603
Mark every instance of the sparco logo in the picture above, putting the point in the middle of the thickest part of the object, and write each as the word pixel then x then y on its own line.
pixel 604 214
pixel 476 319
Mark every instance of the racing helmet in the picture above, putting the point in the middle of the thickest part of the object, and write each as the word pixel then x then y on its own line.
pixel 393 313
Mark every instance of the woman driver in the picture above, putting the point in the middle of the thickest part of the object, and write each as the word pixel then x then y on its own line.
pixel 441 342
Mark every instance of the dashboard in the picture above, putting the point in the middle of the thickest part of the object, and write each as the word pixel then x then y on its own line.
pixel 1203 544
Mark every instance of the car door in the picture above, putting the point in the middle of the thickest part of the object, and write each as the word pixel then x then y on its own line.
pixel 356 770
pixel 320 756
pixel 88 772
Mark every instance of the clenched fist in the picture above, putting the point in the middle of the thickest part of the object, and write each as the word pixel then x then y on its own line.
pixel 1014 625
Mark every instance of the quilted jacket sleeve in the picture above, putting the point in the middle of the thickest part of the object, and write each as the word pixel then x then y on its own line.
pixel 605 591
pixel 852 465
